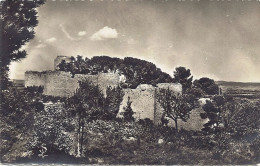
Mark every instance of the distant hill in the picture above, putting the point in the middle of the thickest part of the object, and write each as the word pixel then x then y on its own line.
pixel 250 90
pixel 240 84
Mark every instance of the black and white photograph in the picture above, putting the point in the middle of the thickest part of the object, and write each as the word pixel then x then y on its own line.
pixel 130 82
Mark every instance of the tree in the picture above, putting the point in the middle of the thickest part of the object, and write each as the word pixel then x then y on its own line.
pixel 213 111
pixel 50 129
pixel 197 92
pixel 18 19
pixel 4 80
pixel 183 76
pixel 207 85
pixel 135 70
pixel 112 102
pixel 241 116
pixel 86 105
pixel 176 106
pixel 16 119
pixel 128 113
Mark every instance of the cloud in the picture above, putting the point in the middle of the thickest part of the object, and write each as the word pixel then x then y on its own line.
pixel 104 33
pixel 66 33
pixel 82 33
pixel 41 45
pixel 51 40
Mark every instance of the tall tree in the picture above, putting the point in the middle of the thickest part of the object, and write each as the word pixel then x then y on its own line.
pixel 183 76
pixel 176 106
pixel 85 105
pixel 17 20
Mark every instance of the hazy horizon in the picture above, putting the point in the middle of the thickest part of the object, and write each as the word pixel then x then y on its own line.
pixel 219 40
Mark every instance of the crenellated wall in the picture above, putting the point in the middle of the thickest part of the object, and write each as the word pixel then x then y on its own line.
pixel 59 83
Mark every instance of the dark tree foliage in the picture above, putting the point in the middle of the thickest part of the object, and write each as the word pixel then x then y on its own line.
pixel 85 105
pixel 237 116
pixel 176 106
pixel 49 129
pixel 128 112
pixel 114 97
pixel 183 76
pixel 213 111
pixel 17 117
pixel 87 101
pixel 145 122
pixel 35 89
pixel 207 85
pixel 241 116
pixel 135 70
pixel 197 92
pixel 17 21
pixel 4 80
pixel 89 104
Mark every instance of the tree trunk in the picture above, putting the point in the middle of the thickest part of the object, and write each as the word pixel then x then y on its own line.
pixel 176 124
pixel 81 139
pixel 79 127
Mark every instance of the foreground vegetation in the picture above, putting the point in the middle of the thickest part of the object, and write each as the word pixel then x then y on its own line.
pixel 110 142
pixel 43 129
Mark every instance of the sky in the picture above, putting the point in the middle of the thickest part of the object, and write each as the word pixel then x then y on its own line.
pixel 214 38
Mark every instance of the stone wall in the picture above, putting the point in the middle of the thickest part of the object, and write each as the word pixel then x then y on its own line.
pixel 35 78
pixel 59 83
pixel 142 99
pixel 145 105
pixel 177 88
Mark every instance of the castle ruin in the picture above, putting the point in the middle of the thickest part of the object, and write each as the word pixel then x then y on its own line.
pixel 144 104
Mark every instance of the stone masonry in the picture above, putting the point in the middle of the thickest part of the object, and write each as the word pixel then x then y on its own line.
pixel 144 104
pixel 60 83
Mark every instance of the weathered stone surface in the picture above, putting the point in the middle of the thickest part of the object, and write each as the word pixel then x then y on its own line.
pixel 144 104
pixel 59 83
